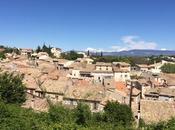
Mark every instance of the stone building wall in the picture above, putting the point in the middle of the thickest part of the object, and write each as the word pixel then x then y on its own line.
pixel 155 111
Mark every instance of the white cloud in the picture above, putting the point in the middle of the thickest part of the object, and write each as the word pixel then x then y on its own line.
pixel 163 49
pixel 117 48
pixel 128 39
pixel 93 49
pixel 134 42
pixel 128 43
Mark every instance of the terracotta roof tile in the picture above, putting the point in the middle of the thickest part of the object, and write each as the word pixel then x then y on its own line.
pixel 121 86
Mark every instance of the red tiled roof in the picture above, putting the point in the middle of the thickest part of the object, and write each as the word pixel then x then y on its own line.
pixel 121 86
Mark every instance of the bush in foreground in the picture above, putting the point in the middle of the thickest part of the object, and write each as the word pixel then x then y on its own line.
pixel 12 89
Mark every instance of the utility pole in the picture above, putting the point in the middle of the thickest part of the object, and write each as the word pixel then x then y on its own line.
pixel 138 112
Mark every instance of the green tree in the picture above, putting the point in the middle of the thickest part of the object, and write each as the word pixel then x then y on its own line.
pixel 118 114
pixel 13 117
pixel 168 68
pixel 72 55
pixel 58 113
pixel 101 54
pixel 8 50
pixel 88 53
pixel 44 48
pixel 110 59
pixel 12 90
pixel 38 49
pixel 2 55
pixel 82 114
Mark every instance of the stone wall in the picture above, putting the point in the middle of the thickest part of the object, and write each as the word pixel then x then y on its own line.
pixel 155 111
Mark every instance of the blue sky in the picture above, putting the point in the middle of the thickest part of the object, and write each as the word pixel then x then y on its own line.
pixel 110 25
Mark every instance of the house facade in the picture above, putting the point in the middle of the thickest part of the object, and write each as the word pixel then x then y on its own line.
pixel 56 52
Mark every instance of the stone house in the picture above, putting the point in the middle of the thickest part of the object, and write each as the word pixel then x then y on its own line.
pixel 94 105
pixel 144 67
pixel 161 94
pixel 81 71
pixel 102 71
pixel 122 66
pixel 85 92
pixel 121 74
pixel 56 52
pixel 26 51
pixel 102 66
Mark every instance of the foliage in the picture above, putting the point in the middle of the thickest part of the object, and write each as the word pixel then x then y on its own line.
pixel 72 55
pixel 13 117
pixel 12 90
pixel 131 60
pixel 82 114
pixel 38 49
pixel 45 48
pixel 11 50
pixel 110 59
pixel 139 60
pixel 163 125
pixel 8 50
pixel 16 118
pixel 2 55
pixel 58 113
pixel 115 115
pixel 155 59
pixel 118 114
pixel 168 68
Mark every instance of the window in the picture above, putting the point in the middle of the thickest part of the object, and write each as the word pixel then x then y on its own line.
pixel 95 106
pixel 56 96
pixel 31 91
pixel 71 102
pixel 42 94
pixel 166 99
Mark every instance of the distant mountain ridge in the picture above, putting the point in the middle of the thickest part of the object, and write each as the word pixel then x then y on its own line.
pixel 142 52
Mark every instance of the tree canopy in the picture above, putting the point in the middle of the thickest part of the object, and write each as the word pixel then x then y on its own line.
pixel 13 117
pixel 72 55
pixel 2 55
pixel 12 89
pixel 168 68
pixel 45 48
pixel 118 113
pixel 82 114
pixel 57 118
